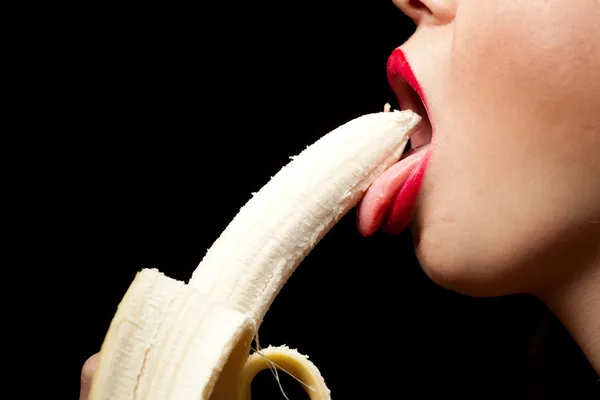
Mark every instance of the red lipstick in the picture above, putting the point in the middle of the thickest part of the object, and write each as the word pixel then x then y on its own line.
pixel 389 202
pixel 398 68
pixel 400 212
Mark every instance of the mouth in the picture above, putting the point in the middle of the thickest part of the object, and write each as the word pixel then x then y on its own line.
pixel 390 201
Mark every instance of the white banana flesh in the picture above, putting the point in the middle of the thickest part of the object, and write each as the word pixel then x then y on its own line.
pixel 277 228
pixel 171 340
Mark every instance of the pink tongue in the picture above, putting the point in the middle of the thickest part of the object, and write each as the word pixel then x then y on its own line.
pixel 378 199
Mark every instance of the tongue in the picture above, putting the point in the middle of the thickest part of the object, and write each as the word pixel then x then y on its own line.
pixel 384 197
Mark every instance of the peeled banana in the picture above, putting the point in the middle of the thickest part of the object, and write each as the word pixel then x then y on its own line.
pixel 172 340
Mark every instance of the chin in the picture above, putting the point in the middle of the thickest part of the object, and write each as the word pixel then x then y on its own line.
pixel 454 266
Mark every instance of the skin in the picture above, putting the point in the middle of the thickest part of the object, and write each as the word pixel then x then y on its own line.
pixel 87 372
pixel 513 88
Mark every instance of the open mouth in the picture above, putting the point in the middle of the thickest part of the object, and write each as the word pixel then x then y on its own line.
pixel 410 100
pixel 410 96
pixel 389 202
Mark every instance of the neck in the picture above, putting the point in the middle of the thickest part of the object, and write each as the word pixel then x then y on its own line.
pixel 576 303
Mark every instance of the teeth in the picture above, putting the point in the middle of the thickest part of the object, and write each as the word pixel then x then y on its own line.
pixel 169 340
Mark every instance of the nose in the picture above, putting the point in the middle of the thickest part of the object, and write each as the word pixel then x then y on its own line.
pixel 437 12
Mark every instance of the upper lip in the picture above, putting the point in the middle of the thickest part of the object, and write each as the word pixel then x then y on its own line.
pixel 409 94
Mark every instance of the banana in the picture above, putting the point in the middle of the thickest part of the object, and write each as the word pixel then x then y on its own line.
pixel 172 340
pixel 288 360
pixel 167 340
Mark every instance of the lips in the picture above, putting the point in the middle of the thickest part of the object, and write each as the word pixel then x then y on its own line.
pixel 388 204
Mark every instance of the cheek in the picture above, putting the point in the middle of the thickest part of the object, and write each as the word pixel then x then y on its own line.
pixel 514 87
pixel 534 55
pixel 525 90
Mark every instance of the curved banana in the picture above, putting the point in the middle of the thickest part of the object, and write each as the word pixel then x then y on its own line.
pixel 171 340
pixel 291 362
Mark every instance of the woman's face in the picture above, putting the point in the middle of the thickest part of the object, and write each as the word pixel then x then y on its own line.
pixel 511 194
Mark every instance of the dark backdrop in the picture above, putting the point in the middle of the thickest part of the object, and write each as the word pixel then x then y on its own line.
pixel 177 114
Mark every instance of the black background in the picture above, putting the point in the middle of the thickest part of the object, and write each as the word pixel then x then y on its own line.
pixel 168 117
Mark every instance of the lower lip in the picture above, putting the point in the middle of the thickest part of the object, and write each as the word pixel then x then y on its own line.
pixel 401 210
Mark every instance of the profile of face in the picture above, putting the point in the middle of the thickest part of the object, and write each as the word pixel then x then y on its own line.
pixel 510 199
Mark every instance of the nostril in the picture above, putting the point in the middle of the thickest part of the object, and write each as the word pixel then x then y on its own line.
pixel 416 4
